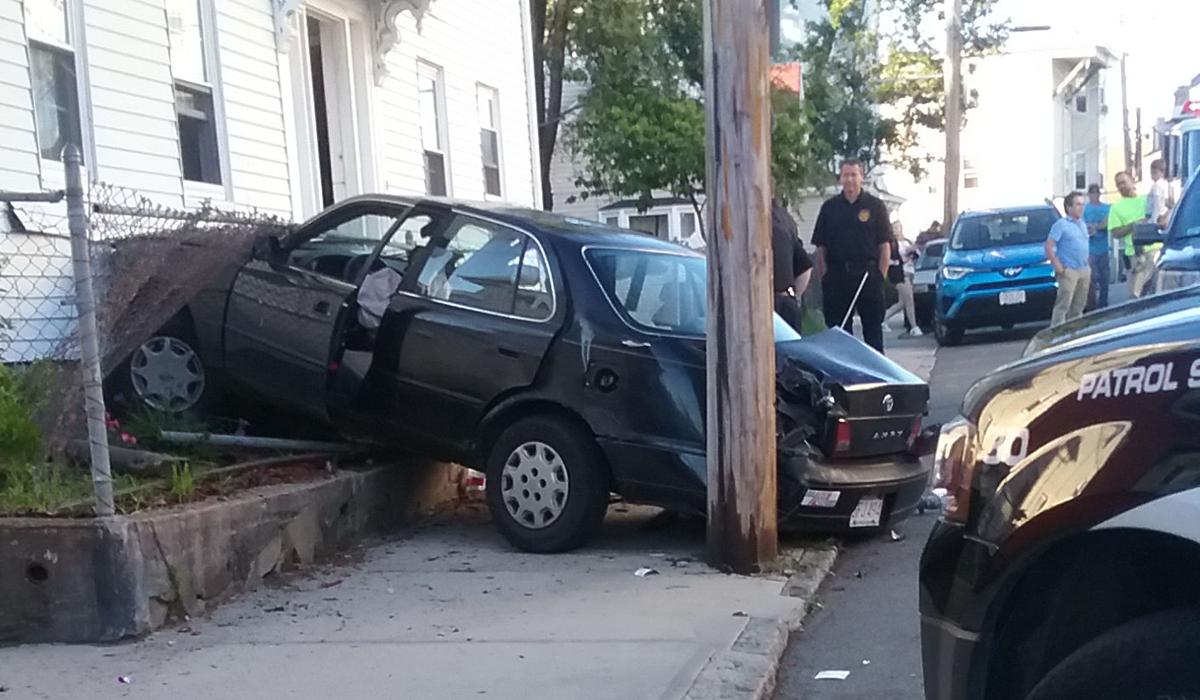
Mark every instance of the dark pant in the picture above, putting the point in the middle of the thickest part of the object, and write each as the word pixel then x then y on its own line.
pixel 1098 294
pixel 837 290
pixel 789 309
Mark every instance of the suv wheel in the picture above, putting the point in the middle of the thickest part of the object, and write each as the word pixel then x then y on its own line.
pixel 946 332
pixel 546 487
pixel 1150 658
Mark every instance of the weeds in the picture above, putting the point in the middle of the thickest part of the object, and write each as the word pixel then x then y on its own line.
pixel 183 483
pixel 33 489
pixel 20 439
pixel 146 425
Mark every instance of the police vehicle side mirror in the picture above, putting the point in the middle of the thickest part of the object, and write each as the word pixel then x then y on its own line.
pixel 1147 234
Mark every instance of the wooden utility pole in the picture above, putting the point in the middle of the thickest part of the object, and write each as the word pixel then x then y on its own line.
pixel 1125 118
pixel 741 348
pixel 952 74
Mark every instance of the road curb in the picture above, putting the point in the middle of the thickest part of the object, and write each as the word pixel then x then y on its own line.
pixel 746 671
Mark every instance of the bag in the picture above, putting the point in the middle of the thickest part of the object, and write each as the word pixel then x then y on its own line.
pixel 895 271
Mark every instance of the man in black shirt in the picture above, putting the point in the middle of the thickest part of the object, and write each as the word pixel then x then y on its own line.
pixel 853 240
pixel 790 264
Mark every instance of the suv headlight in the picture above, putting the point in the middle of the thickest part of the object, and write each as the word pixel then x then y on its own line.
pixel 954 466
pixel 954 273
pixel 1166 280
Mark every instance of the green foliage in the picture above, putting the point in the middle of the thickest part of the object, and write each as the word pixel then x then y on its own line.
pixel 20 440
pixel 183 484
pixel 146 424
pixel 34 489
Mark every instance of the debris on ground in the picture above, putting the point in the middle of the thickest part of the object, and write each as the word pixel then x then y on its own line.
pixel 644 572
pixel 896 536
pixel 125 680
pixel 739 613
pixel 832 676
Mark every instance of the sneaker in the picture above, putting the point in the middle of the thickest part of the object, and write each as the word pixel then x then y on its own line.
pixel 886 327
pixel 915 333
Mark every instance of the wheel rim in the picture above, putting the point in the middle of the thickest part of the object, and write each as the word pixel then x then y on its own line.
pixel 534 485
pixel 167 374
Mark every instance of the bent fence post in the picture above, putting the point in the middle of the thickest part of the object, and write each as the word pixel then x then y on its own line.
pixel 89 343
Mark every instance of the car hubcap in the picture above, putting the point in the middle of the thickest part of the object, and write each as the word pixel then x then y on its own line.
pixel 167 374
pixel 534 485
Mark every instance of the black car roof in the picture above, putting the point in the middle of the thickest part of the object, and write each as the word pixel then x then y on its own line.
pixel 581 232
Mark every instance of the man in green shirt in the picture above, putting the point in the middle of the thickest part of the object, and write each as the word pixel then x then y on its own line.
pixel 1130 209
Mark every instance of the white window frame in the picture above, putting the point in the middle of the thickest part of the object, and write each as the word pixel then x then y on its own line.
pixel 484 90
pixel 195 192
pixel 51 172
pixel 673 212
pixel 429 69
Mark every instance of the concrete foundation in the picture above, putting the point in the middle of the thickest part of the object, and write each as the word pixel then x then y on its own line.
pixel 105 579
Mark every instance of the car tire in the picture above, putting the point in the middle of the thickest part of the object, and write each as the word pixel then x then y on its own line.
pixel 947 333
pixel 1151 657
pixel 128 383
pixel 569 484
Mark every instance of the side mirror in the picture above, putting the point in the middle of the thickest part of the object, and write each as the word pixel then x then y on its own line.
pixel 1147 234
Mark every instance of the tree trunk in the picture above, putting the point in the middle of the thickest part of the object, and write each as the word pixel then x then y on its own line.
pixel 740 347
pixel 551 24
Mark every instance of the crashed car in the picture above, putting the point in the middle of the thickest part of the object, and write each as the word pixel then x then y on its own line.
pixel 1064 564
pixel 563 358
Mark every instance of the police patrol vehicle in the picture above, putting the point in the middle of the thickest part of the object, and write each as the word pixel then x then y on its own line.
pixel 1066 564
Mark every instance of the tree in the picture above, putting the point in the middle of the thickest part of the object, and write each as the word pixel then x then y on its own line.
pixel 552 24
pixel 641 122
pixel 853 69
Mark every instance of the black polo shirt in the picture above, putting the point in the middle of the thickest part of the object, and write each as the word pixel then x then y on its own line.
pixel 788 257
pixel 852 232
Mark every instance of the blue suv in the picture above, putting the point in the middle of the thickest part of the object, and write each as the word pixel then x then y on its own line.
pixel 995 272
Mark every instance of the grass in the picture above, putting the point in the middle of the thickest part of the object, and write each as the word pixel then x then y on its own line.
pixel 183 483
pixel 33 489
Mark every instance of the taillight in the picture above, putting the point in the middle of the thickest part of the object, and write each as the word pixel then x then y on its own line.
pixel 842 437
pixel 954 466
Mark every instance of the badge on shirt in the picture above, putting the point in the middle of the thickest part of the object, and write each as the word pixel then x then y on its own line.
pixel 864 215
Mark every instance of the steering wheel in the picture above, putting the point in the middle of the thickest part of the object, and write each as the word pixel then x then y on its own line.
pixel 354 267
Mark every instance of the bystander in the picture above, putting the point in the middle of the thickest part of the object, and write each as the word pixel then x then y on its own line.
pixel 1067 248
pixel 1095 215
pixel 1128 210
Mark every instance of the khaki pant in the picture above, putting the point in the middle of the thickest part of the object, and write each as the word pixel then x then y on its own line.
pixel 906 304
pixel 1072 296
pixel 1143 268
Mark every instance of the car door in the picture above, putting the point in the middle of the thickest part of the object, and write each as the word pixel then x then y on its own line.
pixel 283 311
pixel 473 326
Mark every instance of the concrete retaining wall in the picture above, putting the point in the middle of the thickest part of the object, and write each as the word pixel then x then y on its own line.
pixel 99 580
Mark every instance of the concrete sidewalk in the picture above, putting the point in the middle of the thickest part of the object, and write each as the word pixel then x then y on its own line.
pixel 450 611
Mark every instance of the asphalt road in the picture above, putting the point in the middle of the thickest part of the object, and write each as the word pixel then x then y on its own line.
pixel 868 620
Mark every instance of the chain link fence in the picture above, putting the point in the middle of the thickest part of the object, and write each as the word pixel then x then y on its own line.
pixel 146 262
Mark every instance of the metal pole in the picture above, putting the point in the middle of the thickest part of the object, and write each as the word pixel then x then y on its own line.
pixel 89 343
pixel 740 347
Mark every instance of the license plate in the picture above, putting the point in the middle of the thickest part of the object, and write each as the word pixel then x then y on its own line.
pixel 1015 296
pixel 920 288
pixel 867 513
pixel 816 498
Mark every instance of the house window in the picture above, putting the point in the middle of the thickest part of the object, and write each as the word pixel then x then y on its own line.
pixel 612 220
pixel 487 102
pixel 54 78
pixel 1081 103
pixel 687 225
pixel 195 101
pixel 654 224
pixel 970 182
pixel 432 94
pixel 1079 170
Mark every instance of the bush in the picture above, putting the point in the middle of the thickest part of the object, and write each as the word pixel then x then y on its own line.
pixel 20 439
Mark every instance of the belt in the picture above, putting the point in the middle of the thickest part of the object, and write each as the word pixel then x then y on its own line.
pixel 850 264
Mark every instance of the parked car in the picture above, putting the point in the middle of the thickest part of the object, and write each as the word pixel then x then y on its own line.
pixel 1065 563
pixel 1179 265
pixel 925 280
pixel 995 272
pixel 563 358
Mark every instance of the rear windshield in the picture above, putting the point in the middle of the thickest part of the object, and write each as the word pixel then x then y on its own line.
pixel 931 258
pixel 1001 230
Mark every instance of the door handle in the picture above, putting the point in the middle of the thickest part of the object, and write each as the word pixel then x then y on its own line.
pixel 321 307
pixel 508 352
pixel 635 344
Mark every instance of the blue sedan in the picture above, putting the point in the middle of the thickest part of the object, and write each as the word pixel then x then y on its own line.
pixel 995 272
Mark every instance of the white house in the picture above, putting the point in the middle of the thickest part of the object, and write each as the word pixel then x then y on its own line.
pixel 281 105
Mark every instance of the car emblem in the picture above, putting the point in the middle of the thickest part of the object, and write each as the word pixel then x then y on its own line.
pixel 1011 271
pixel 888 403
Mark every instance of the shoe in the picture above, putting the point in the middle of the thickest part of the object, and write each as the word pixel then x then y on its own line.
pixel 886 327
pixel 915 333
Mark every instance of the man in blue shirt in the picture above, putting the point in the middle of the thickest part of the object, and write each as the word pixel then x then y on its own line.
pixel 1095 215
pixel 1067 248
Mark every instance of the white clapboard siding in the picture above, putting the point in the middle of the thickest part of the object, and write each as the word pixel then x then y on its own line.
pixel 253 105
pixel 18 140
pixel 565 169
pixel 129 69
pixel 474 42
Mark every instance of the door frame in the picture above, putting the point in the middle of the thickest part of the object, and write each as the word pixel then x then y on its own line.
pixel 348 68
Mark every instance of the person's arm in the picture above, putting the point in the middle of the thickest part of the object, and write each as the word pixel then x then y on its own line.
pixel 883 237
pixel 801 283
pixel 802 266
pixel 885 258
pixel 1052 250
pixel 819 261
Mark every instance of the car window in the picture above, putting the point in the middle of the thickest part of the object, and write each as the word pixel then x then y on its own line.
pixel 333 250
pixel 476 268
pixel 656 291
pixel 535 299
pixel 1000 230
pixel 931 257
pixel 1185 222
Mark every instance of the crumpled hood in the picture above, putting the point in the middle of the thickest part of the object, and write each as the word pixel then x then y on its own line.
pixel 836 356
pixel 997 258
